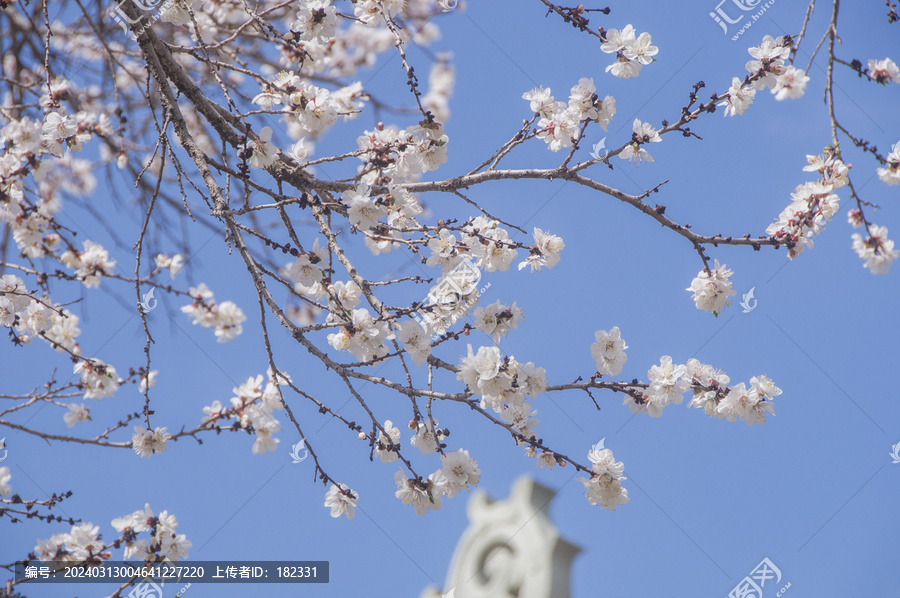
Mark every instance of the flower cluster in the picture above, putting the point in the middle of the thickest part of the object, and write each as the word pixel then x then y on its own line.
pixel 711 289
pixel 29 316
pixel 90 265
pixel 504 385
pixel 84 541
pixel 99 379
pixel 225 317
pixel 669 381
pixel 173 264
pixel 767 70
pixel 632 51
pixel 360 334
pixel 812 205
pixel 164 541
pixel 458 471
pixel 311 108
pixel 252 408
pixel 389 154
pixel 559 122
pixel 604 487
pixel 482 245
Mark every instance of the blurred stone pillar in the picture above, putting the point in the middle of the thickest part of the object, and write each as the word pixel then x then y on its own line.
pixel 511 549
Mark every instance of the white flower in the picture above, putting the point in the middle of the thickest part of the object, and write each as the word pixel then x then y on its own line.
pixel 263 153
pixel 769 59
pixel 643 133
pixel 84 541
pixel 90 265
pixel 228 321
pixel 363 210
pixel 391 435
pixel 340 503
pixel 497 320
pixel 139 521
pixel 624 68
pixel 884 70
pixel 877 251
pixel 711 290
pixel 420 498
pixel 618 40
pixel 176 12
pixel 747 405
pixel 99 379
pixel 641 49
pixel 604 463
pixel 739 98
pixel 790 84
pixel 666 385
pixel 174 264
pixel 425 438
pixel 460 470
pixel 609 352
pixel 763 386
pixel 147 442
pixel 604 487
pixel 416 340
pixel 541 101
pixel 546 251
pixel 891 174
pixel 77 413
pixel 304 272
pixel 148 381
pixel 5 477
pixel 315 21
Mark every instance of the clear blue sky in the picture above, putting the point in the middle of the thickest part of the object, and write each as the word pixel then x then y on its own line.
pixel 813 489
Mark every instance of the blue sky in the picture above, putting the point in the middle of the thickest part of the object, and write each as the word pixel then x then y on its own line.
pixel 813 489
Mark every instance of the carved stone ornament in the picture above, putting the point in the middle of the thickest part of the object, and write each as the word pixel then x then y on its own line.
pixel 511 549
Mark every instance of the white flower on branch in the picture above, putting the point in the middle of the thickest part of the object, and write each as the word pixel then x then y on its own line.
pixel 147 442
pixel 877 251
pixel 711 289
pixel 609 351
pixel 339 502
pixel 98 378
